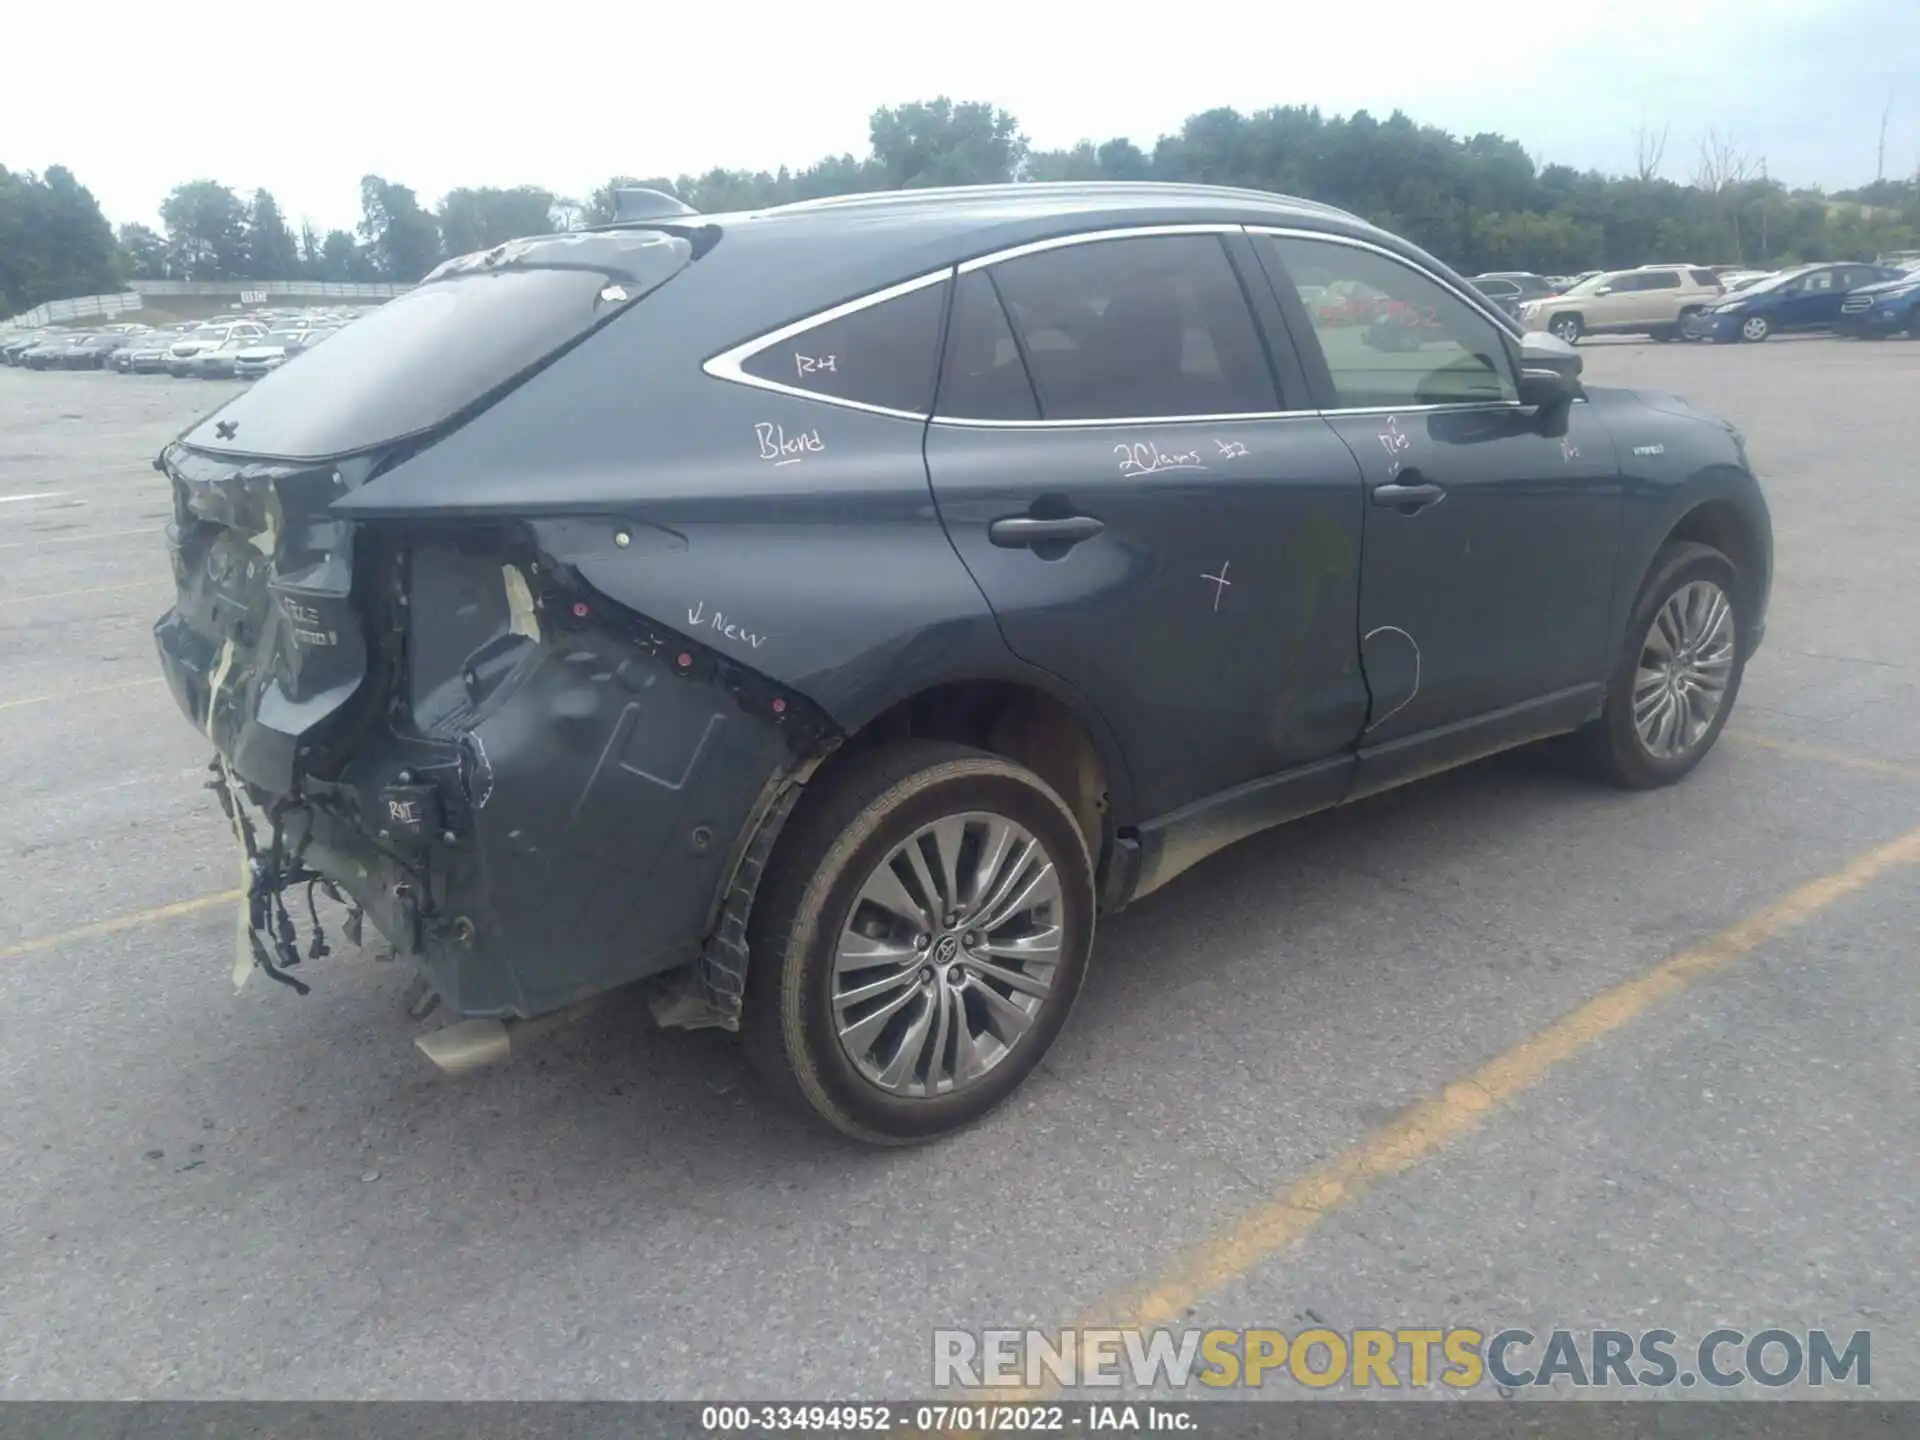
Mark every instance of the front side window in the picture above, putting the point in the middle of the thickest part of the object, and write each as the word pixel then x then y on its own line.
pixel 1136 327
pixel 1659 280
pixel 1402 338
pixel 1819 282
pixel 882 354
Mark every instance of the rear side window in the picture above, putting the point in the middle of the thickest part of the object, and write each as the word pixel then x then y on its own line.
pixel 1704 277
pixel 1138 327
pixel 982 377
pixel 882 354
pixel 463 333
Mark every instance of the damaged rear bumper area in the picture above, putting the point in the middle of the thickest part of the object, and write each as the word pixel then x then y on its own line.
pixel 533 793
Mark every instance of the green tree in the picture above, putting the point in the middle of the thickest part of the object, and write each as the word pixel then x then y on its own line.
pixel 146 252
pixel 271 253
pixel 479 219
pixel 206 231
pixel 938 142
pixel 339 259
pixel 402 239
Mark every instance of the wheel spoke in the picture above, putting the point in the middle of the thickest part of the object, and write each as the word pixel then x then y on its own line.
pixel 916 859
pixel 1006 1019
pixel 845 1000
pixel 884 890
pixel 1013 979
pixel 859 1036
pixel 1010 876
pixel 999 841
pixel 1041 886
pixel 945 1003
pixel 1042 947
pixel 899 1071
pixel 862 952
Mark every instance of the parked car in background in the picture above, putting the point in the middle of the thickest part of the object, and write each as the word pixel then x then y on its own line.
pixel 205 337
pixel 1900 259
pixel 259 357
pixel 1530 285
pixel 1808 297
pixel 94 351
pixel 214 362
pixel 147 355
pixel 1732 280
pixel 853 773
pixel 16 344
pixel 1888 307
pixel 1654 300
pixel 51 353
pixel 1501 291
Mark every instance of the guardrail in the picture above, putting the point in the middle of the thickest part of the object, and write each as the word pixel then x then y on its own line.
pixel 248 292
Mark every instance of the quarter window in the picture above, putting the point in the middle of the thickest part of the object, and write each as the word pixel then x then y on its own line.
pixel 1392 335
pixel 983 377
pixel 880 354
pixel 1138 327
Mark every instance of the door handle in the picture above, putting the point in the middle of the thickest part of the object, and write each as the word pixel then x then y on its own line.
pixel 1018 532
pixel 1408 499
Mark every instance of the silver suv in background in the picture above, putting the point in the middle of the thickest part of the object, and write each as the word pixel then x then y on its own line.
pixel 1655 300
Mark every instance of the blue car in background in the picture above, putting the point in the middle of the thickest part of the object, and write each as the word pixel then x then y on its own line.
pixel 1809 297
pixel 1888 308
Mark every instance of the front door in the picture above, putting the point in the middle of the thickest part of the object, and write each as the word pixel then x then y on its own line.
pixel 1109 456
pixel 1812 301
pixel 1489 540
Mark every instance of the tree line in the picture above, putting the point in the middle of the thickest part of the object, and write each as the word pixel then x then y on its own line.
pixel 1480 202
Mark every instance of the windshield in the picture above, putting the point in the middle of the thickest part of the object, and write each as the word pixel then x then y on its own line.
pixel 1590 284
pixel 466 330
pixel 1772 282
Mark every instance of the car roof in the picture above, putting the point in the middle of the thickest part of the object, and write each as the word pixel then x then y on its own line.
pixel 768 266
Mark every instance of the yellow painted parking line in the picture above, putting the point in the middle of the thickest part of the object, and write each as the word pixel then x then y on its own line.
pixel 89 590
pixel 1872 764
pixel 117 924
pixel 1430 1125
pixel 79 694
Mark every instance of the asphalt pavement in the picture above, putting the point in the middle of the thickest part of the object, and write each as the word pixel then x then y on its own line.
pixel 1499 1049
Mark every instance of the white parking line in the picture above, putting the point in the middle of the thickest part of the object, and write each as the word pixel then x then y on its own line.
pixel 37 495
pixel 78 539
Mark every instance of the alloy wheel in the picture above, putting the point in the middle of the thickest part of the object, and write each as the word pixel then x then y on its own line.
pixel 1755 327
pixel 948 955
pixel 1686 662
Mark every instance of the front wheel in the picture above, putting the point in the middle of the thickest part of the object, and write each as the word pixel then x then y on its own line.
pixel 1677 675
pixel 1755 328
pixel 919 941
pixel 1566 327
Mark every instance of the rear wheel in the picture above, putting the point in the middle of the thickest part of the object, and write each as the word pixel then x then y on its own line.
pixel 1677 675
pixel 1755 328
pixel 1692 325
pixel 1566 327
pixel 919 941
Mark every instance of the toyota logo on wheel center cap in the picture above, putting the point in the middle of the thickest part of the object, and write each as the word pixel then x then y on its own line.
pixel 948 947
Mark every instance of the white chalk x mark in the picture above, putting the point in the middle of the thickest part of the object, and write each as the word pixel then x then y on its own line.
pixel 1220 583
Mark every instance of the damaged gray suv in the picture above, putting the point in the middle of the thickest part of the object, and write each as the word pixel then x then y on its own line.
pixel 824 613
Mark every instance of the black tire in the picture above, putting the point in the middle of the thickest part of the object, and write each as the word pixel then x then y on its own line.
pixel 845 828
pixel 1610 748
pixel 1567 327
pixel 1689 327
pixel 1663 335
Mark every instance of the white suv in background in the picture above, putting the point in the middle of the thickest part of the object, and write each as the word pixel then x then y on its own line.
pixel 1656 300
pixel 210 337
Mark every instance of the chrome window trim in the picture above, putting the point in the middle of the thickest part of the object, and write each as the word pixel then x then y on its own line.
pixel 727 364
pixel 1094 237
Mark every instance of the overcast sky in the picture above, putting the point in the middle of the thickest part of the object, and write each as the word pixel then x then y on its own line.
pixel 304 99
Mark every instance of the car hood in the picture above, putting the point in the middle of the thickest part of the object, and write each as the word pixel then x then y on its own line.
pixel 1883 287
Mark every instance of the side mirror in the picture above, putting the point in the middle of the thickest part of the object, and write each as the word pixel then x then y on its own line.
pixel 1549 370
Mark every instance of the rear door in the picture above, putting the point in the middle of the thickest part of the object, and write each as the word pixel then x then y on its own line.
pixel 1490 534
pixel 1814 300
pixel 1154 514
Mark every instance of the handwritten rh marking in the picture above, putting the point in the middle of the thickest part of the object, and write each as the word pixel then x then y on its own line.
pixel 1144 457
pixel 812 364
pixel 775 446
pixel 697 617
pixel 1569 451
pixel 1230 449
pixel 1396 442
pixel 1649 449
pixel 1220 583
